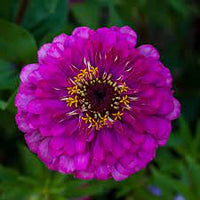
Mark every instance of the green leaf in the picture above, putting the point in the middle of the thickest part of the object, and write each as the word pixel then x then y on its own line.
pixel 9 105
pixel 114 17
pixel 185 130
pixel 196 143
pixel 3 105
pixel 184 174
pixel 79 188
pixel 43 16
pixel 186 137
pixel 8 77
pixel 5 9
pixel 32 165
pixel 169 183
pixel 174 140
pixel 180 7
pixel 51 5
pixel 194 171
pixel 11 180
pixel 87 13
pixel 163 157
pixel 16 44
pixel 9 9
pixel 8 82
pixel 7 174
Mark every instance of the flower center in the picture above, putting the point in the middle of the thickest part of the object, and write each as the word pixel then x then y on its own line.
pixel 100 99
pixel 100 96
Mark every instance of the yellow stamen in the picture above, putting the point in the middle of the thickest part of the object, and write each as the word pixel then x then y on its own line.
pixel 96 125
pixel 71 101
pixel 93 70
pixel 84 71
pixel 72 90
pixel 87 119
pixel 125 100
pixel 77 79
pixel 124 88
pixel 117 115
pixel 81 75
pixel 78 97
pixel 103 120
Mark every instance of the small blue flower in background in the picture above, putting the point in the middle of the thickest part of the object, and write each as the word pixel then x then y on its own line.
pixel 155 190
pixel 179 197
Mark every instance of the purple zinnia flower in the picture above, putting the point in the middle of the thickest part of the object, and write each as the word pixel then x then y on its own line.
pixel 95 105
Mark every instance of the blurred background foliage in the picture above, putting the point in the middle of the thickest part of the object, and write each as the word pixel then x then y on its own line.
pixel 172 26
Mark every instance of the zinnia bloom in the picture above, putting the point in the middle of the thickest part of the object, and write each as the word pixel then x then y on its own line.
pixel 95 105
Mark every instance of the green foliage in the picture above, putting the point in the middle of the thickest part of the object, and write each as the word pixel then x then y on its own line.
pixel 17 44
pixel 5 9
pixel 7 75
pixel 87 14
pixel 36 181
pixel 44 16
pixel 8 84
pixel 171 25
pixel 180 171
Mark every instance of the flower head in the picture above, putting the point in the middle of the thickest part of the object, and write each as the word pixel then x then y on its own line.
pixel 95 105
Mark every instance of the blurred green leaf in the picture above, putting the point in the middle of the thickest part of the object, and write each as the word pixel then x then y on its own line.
pixel 5 9
pixel 16 44
pixel 8 77
pixel 7 174
pixel 51 5
pixel 180 6
pixel 184 130
pixel 32 166
pixel 184 174
pixel 9 181
pixel 128 186
pixel 43 16
pixel 182 140
pixel 9 104
pixel 79 188
pixel 167 182
pixel 3 105
pixel 196 144
pixel 194 171
pixel 87 13
pixel 163 157
pixel 114 17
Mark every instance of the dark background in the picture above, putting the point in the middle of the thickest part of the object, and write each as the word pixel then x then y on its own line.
pixel 172 26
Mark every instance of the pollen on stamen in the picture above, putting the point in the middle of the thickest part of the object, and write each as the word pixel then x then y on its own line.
pixel 125 100
pixel 73 90
pixel 70 101
pixel 92 93
pixel 117 115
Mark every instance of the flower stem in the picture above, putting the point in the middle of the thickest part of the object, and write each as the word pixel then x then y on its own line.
pixel 22 8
